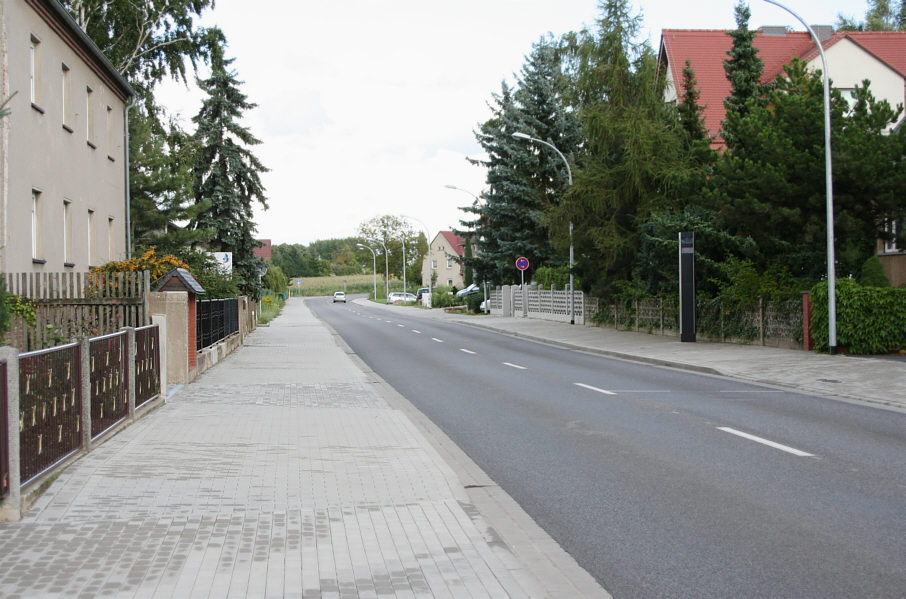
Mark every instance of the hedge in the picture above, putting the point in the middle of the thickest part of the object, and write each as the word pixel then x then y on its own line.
pixel 870 320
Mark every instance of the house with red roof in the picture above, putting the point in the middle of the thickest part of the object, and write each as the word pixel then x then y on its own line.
pixel 852 56
pixel 444 260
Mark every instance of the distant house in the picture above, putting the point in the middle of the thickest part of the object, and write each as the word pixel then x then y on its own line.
pixel 879 56
pixel 264 251
pixel 444 260
pixel 63 153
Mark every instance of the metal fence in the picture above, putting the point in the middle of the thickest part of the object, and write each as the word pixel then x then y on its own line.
pixel 147 364
pixel 109 381
pixel 50 408
pixel 215 320
pixel 4 433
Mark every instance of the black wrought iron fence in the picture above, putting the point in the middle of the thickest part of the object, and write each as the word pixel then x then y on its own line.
pixel 109 381
pixel 215 320
pixel 50 408
pixel 147 364
pixel 4 434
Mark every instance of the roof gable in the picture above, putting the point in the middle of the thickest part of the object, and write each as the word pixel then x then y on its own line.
pixel 455 241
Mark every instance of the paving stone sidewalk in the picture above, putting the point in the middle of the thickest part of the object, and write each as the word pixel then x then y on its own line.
pixel 288 470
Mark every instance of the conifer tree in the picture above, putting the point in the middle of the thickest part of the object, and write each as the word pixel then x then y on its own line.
pixel 744 70
pixel 227 173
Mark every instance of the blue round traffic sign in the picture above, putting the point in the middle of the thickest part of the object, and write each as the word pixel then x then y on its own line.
pixel 522 263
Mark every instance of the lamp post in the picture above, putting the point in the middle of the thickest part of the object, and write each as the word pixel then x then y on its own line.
pixel 569 173
pixel 386 267
pixel 469 240
pixel 428 239
pixel 829 191
pixel 374 267
pixel 403 238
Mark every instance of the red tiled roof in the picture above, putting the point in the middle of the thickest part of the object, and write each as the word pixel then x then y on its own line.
pixel 456 242
pixel 706 50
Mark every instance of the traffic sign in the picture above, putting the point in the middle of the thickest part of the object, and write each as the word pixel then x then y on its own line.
pixel 522 263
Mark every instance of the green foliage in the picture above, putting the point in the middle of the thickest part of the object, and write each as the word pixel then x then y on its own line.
pixel 275 280
pixel 445 297
pixel 20 306
pixel 744 69
pixel 742 285
pixel 873 273
pixel 4 307
pixel 391 231
pixel 227 174
pixel 870 320
pixel 270 306
pixel 206 271
pixel 558 276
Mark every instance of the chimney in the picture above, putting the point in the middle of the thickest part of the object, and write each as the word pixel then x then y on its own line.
pixel 823 31
pixel 774 30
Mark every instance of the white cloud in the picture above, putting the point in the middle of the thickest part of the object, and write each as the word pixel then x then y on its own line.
pixel 367 107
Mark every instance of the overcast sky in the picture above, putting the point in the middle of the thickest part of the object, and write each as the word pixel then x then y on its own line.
pixel 367 107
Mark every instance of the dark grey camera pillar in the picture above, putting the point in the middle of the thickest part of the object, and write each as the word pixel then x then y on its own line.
pixel 687 285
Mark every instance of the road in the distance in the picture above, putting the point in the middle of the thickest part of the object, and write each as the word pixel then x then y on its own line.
pixel 660 483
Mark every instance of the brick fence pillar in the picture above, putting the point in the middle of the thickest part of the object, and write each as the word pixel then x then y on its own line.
pixel 808 343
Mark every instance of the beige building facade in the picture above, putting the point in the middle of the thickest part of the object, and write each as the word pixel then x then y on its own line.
pixel 444 261
pixel 63 150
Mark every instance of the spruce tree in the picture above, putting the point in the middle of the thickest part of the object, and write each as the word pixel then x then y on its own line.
pixel 744 70
pixel 227 173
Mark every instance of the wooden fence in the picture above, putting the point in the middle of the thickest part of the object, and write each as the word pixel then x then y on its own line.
pixel 69 305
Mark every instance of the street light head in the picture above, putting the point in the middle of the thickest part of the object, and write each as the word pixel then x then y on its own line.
pixel 451 187
pixel 521 135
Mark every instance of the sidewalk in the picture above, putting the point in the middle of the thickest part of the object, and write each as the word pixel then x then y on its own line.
pixel 287 470
pixel 871 380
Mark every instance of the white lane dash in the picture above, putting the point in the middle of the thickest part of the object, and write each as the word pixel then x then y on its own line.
pixel 466 351
pixel 390 321
pixel 400 325
pixel 436 339
pixel 517 366
pixel 416 331
pixel 590 388
pixel 786 448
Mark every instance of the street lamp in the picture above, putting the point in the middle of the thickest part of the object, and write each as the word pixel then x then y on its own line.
pixel 386 268
pixel 469 241
pixel 569 173
pixel 428 239
pixel 374 267
pixel 829 186
pixel 403 238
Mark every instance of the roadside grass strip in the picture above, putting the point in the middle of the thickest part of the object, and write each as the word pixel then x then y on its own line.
pixel 786 448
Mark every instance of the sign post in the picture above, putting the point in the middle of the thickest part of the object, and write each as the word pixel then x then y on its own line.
pixel 522 263
pixel 687 286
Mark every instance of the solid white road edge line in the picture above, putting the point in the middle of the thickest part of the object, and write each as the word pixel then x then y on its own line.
pixel 514 366
pixel 590 388
pixel 786 448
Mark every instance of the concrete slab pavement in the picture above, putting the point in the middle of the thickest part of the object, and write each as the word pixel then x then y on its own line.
pixel 287 470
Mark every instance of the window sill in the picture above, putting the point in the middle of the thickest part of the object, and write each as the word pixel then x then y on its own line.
pixel 38 108
pixel 69 265
pixel 892 253
pixel 38 261
pixel 111 158
pixel 91 145
pixel 67 128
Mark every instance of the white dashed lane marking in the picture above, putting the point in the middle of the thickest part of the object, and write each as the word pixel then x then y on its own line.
pixel 466 351
pixel 596 389
pixel 786 448
pixel 436 339
pixel 517 366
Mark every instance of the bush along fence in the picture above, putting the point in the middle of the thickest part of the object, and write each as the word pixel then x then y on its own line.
pixel 65 400
pixel 53 308
pixel 870 320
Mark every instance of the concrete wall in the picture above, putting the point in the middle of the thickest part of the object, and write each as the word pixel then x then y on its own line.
pixel 175 305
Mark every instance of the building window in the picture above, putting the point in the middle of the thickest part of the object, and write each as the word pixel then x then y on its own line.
pixel 89 116
pixel 110 239
pixel 67 232
pixel 449 262
pixel 449 282
pixel 434 265
pixel 34 54
pixel 67 99
pixel 893 228
pixel 91 238
pixel 37 232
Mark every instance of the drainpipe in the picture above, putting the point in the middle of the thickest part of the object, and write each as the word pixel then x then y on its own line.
pixel 129 107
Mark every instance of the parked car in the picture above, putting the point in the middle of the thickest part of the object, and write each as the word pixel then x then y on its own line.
pixel 399 296
pixel 473 288
pixel 339 296
pixel 420 292
pixel 485 305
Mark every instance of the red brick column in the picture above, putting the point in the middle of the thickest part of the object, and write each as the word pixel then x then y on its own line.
pixel 193 334
pixel 808 344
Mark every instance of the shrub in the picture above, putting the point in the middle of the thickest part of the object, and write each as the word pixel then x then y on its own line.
pixel 873 273
pixel 870 320
pixel 274 279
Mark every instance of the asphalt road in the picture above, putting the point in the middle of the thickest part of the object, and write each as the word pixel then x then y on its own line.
pixel 658 482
